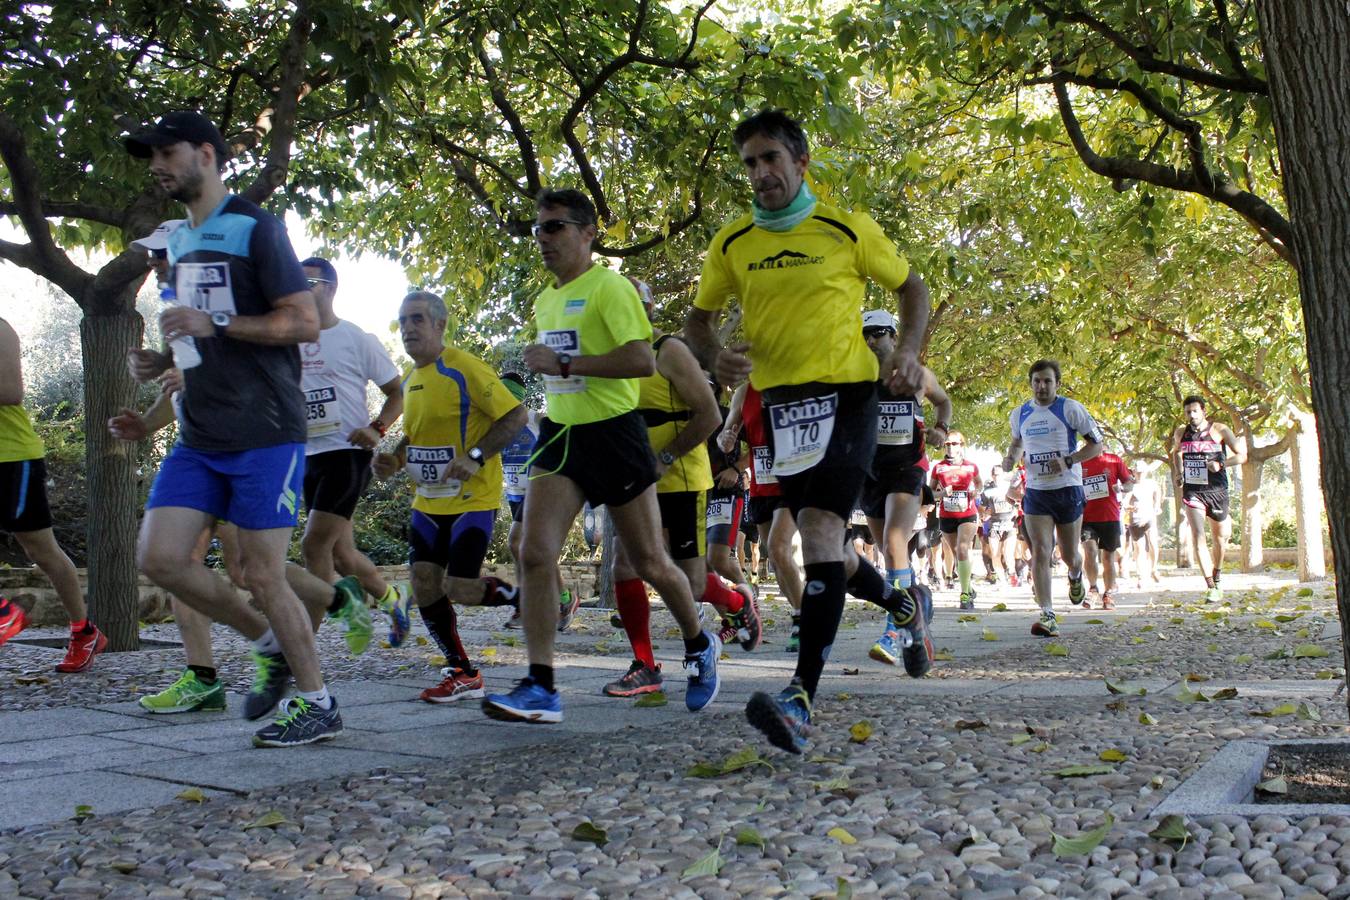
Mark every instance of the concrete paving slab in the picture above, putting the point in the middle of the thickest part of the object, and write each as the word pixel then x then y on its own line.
pixel 54 723
pixel 52 798
pixel 251 769
pixel 451 741
pixel 1075 687
pixel 1226 785
pixel 226 731
pixel 53 756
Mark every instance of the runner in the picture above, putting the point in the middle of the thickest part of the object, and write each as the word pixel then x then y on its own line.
pixel 1046 429
pixel 893 491
pixel 243 300
pixel 458 417
pixel 681 413
pixel 926 533
pixel 1145 507
pixel 1105 478
pixel 25 514
pixel 956 483
pixel 1000 512
pixel 342 438
pixel 595 343
pixel 799 269
pixel 726 504
pixel 765 507
pixel 1200 463
pixel 515 476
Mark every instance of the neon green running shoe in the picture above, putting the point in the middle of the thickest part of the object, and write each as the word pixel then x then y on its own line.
pixel 353 615
pixel 187 694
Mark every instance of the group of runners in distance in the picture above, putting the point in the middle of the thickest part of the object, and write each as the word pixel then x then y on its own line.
pixel 821 413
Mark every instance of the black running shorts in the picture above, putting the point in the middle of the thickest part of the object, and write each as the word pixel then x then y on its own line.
pixel 1213 502
pixel 335 480
pixel 834 483
pixel 611 460
pixel 684 518
pixel 1105 534
pixel 23 496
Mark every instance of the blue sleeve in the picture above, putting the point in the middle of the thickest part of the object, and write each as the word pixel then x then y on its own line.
pixel 274 260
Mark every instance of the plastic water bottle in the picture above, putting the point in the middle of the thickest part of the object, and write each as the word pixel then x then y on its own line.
pixel 185 354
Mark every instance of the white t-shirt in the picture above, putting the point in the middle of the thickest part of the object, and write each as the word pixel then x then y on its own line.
pixel 334 372
pixel 1049 433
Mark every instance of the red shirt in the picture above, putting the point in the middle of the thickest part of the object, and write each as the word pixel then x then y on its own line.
pixel 958 482
pixel 1101 474
pixel 762 483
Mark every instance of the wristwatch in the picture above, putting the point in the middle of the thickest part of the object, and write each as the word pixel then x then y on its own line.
pixel 475 454
pixel 667 458
pixel 222 321
pixel 564 364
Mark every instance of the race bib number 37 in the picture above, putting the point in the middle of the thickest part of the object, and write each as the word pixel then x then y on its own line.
pixel 801 432
pixel 321 411
pixel 895 423
pixel 426 466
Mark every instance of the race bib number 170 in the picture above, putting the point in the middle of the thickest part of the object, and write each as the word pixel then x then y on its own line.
pixel 801 432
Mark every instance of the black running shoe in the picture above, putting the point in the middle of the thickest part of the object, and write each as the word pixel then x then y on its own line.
pixel 300 722
pixel 269 684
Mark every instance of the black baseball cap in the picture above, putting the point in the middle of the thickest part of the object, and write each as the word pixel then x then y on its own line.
pixel 192 127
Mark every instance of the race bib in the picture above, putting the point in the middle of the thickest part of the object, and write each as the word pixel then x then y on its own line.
pixel 1095 487
pixel 514 478
pixel 321 412
pixel 895 423
pixel 563 340
pixel 1045 465
pixel 719 511
pixel 956 501
pixel 1195 470
pixel 858 518
pixel 205 286
pixel 801 432
pixel 426 466
pixel 764 466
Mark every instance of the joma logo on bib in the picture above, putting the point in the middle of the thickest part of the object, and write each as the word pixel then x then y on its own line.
pixel 805 411
pixel 205 275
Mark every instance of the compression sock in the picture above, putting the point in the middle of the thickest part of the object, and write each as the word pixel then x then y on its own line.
pixel 636 613
pixel 723 598
pixel 900 577
pixel 822 607
pixel 444 627
pixel 867 584
pixel 498 593
pixel 963 569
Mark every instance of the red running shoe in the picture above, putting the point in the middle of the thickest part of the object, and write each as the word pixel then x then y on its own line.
pixel 458 685
pixel 12 621
pixel 81 651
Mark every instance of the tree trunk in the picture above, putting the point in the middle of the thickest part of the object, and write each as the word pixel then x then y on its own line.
pixel 114 599
pixel 1305 45
pixel 1252 556
pixel 1312 561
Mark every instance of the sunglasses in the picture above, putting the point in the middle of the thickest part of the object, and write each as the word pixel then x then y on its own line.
pixel 954 444
pixel 877 330
pixel 316 281
pixel 553 226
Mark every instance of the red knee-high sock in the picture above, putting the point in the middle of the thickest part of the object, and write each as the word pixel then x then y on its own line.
pixel 723 598
pixel 636 613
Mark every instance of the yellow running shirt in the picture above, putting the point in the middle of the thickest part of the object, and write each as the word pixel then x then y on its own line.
pixel 448 406
pixel 18 440
pixel 801 293
pixel 667 414
pixel 590 316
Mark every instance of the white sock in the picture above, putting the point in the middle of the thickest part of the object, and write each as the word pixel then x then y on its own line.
pixel 319 698
pixel 268 643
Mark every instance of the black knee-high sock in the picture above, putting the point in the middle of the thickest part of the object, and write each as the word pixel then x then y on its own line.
pixel 499 593
pixel 867 584
pixel 444 627
pixel 822 607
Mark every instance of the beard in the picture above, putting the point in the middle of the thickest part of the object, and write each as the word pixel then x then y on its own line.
pixel 188 187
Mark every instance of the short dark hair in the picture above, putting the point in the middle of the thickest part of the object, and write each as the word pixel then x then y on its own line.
pixel 570 199
pixel 1193 398
pixel 323 265
pixel 1042 365
pixel 775 125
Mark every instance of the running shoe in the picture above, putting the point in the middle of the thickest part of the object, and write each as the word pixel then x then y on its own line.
pixel 727 633
pixel 400 615
pixel 527 702
pixel 457 685
pixel 1093 596
pixel 616 621
pixel 353 614
pixel 785 720
pixel 747 624
pixel 639 679
pixel 917 652
pixel 887 647
pixel 794 641
pixel 1047 625
pixel 703 681
pixel 81 650
pixel 1109 600
pixel 567 609
pixel 187 694
pixel 1013 581
pixel 967 601
pixel 1213 595
pixel 272 675
pixel 1076 593
pixel 12 621
pixel 300 722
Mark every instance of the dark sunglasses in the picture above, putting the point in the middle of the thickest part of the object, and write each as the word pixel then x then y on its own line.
pixel 314 281
pixel 877 330
pixel 553 226
pixel 954 444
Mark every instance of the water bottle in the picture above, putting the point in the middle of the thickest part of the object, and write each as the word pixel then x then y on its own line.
pixel 185 354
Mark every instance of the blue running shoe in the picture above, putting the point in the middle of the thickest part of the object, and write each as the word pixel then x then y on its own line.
pixel 925 597
pixel 300 722
pixel 703 681
pixel 400 619
pixel 887 647
pixel 527 702
pixel 785 719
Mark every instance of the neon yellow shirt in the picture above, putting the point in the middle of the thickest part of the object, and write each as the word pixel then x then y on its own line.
pixel 590 316
pixel 448 406
pixel 801 293
pixel 691 472
pixel 18 440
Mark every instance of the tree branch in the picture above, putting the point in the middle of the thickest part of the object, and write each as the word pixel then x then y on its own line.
pixel 1256 385
pixel 279 120
pixel 56 209
pixel 529 160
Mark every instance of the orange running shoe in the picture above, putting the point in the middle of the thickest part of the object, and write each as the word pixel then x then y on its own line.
pixel 81 651
pixel 458 685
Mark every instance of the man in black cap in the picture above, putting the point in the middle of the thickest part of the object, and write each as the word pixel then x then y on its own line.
pixel 243 298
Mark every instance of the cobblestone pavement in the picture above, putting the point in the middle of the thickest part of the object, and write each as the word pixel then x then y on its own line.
pixel 955 792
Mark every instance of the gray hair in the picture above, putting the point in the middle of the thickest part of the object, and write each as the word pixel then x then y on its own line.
pixel 435 305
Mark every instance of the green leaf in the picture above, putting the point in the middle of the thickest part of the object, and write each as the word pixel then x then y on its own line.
pixel 1083 771
pixel 834 784
pixel 749 837
pixel 1172 828
pixel 83 811
pixel 655 698
pixel 1282 653
pixel 1125 689
pixel 989 634
pixel 944 654
pixel 589 831
pixel 1085 843
pixel 1146 719
pixel 192 795
pixel 859 732
pixel 1227 693
pixel 270 819
pixel 1022 739
pixel 842 889
pixel 1308 713
pixel 1054 649
pixel 733 763
pixel 967 618
pixel 1243 658
pixel 1112 755
pixel 842 835
pixel 1095 622
pixel 999 607
pixel 708 865
pixel 1310 651
pixel 1274 786
pixel 1283 709
pixel 1185 695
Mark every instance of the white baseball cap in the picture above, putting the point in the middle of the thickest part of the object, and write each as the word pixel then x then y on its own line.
pixel 159 238
pixel 878 318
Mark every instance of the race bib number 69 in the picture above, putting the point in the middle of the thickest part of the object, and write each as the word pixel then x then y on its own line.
pixel 426 466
